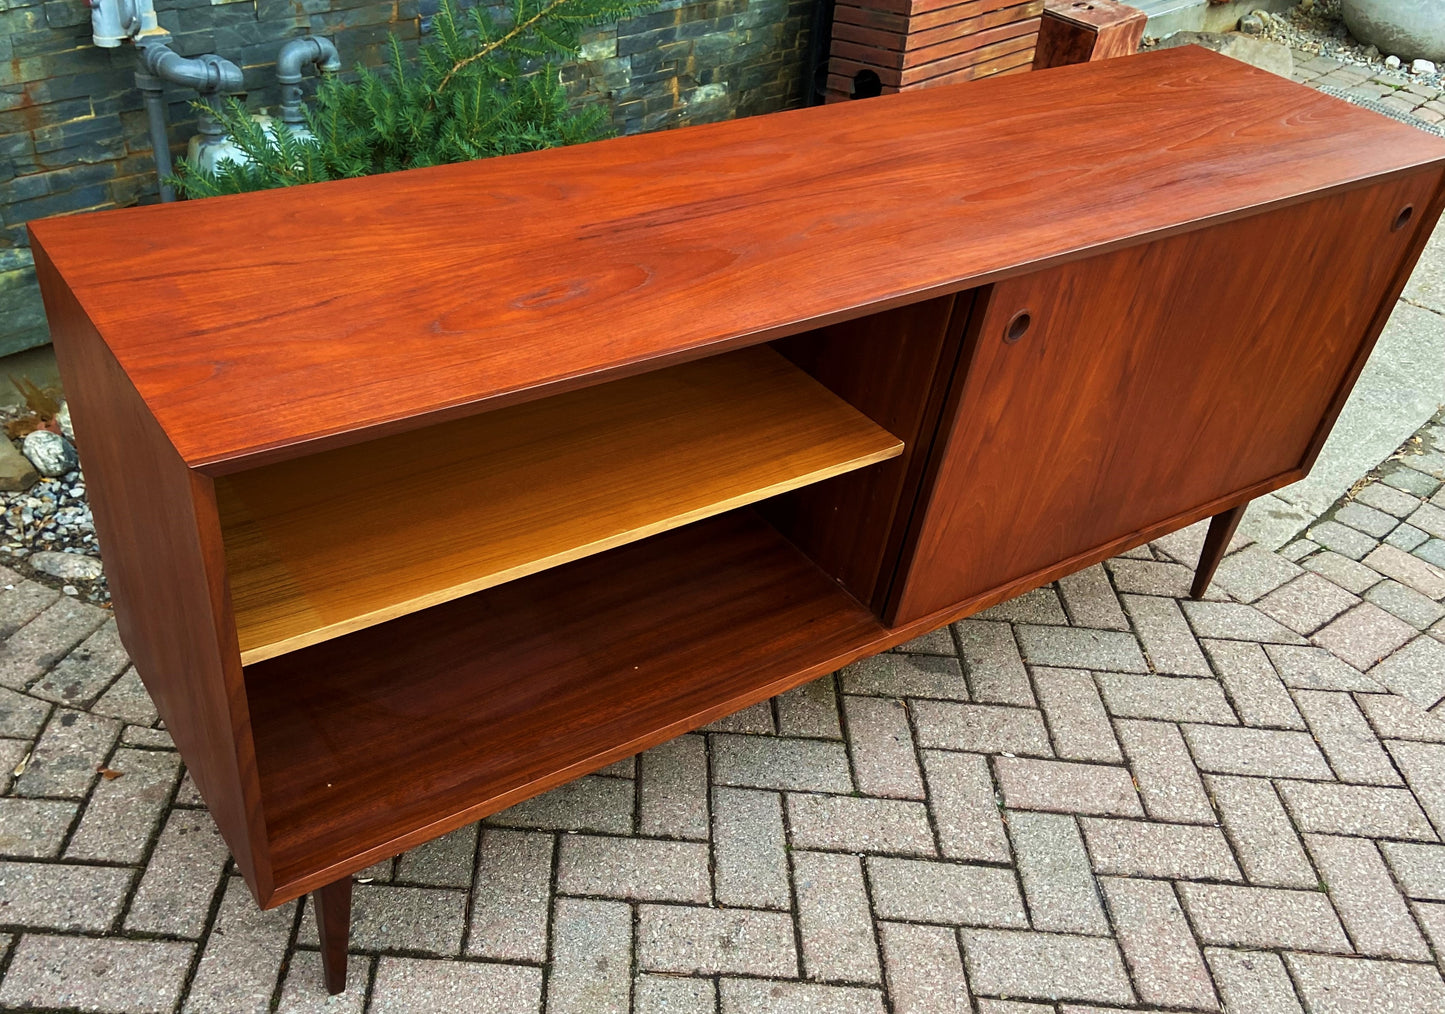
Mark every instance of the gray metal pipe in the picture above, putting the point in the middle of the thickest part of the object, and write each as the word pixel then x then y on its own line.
pixel 294 55
pixel 210 75
pixel 207 74
pixel 152 89
pixel 114 21
pixel 108 23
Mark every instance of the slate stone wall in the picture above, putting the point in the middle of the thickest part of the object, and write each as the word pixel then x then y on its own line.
pixel 73 132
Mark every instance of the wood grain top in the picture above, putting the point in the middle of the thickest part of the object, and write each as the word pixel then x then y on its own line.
pixel 276 323
pixel 322 546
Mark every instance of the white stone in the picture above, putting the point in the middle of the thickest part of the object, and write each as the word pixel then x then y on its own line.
pixel 1422 67
pixel 67 566
pixel 1393 62
pixel 50 453
pixel 62 419
pixel 598 49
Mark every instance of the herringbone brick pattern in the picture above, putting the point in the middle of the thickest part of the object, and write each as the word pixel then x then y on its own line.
pixel 1097 796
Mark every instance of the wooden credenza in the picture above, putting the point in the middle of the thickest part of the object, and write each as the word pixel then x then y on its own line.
pixel 424 493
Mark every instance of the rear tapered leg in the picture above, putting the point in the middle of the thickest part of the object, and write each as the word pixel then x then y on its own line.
pixel 1221 531
pixel 333 923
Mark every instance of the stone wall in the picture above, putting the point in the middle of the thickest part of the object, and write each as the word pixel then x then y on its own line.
pixel 73 132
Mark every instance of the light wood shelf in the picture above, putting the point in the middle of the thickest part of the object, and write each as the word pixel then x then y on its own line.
pixel 329 544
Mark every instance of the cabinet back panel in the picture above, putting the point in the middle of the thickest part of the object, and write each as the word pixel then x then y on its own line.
pixel 894 367
pixel 314 549
pixel 1148 382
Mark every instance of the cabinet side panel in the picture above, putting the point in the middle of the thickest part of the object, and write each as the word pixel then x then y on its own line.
pixel 158 531
pixel 894 368
pixel 1148 382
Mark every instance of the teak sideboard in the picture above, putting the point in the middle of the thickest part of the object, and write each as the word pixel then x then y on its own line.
pixel 422 494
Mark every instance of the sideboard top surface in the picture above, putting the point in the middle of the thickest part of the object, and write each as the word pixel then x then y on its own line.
pixel 267 325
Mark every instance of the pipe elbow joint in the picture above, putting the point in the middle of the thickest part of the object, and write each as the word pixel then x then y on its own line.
pixel 206 74
pixel 226 75
pixel 330 61
pixel 296 53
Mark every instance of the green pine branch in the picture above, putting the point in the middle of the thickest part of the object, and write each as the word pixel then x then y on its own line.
pixel 476 88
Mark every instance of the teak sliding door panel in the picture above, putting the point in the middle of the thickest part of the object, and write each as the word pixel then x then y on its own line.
pixel 1114 393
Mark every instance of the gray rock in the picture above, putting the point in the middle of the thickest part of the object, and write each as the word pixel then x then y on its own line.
pixel 1270 56
pixel 16 472
pixel 50 453
pixel 62 419
pixel 1411 28
pixel 67 566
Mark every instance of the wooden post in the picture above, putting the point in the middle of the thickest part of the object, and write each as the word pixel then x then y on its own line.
pixel 1081 31
pixel 1221 530
pixel 333 926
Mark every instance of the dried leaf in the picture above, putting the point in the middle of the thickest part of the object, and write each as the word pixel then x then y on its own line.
pixel 42 403
pixel 24 763
pixel 109 774
pixel 21 427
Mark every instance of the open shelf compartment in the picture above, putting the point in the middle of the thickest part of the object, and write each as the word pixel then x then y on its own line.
pixel 452 713
pixel 340 541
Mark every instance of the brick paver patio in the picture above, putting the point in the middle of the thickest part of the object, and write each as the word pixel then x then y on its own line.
pixel 1394 89
pixel 1098 796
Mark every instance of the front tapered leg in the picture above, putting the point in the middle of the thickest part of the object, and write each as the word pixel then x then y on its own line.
pixel 1221 531
pixel 333 924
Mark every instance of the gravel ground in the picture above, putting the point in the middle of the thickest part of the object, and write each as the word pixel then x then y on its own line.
pixel 1315 26
pixel 51 516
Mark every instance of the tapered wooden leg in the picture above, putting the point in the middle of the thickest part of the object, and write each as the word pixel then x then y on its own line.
pixel 333 923
pixel 1221 530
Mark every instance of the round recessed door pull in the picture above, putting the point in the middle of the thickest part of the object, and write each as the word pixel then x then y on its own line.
pixel 1403 218
pixel 1018 326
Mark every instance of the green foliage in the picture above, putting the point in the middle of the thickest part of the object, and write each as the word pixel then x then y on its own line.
pixel 480 86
